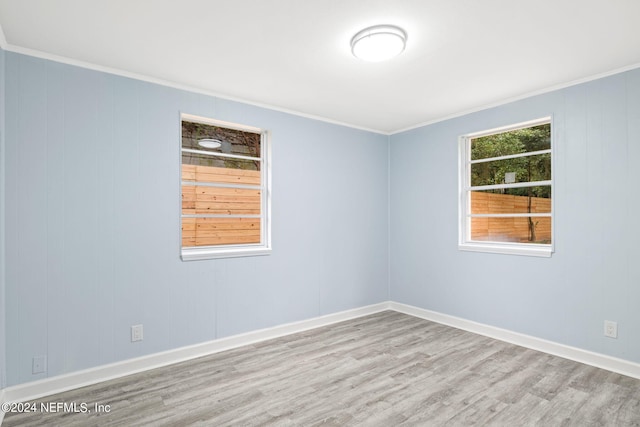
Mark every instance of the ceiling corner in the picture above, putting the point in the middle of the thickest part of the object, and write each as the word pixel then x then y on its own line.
pixel 3 40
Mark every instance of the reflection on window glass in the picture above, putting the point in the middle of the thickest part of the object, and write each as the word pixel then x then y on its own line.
pixel 230 141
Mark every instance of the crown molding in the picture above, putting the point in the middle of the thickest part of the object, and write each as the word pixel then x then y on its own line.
pixel 118 72
pixel 175 85
pixel 519 97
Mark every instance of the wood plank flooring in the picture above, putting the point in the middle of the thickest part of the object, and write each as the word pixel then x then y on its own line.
pixel 386 369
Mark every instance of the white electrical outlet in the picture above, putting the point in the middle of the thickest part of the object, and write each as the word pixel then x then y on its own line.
pixel 39 365
pixel 610 329
pixel 136 333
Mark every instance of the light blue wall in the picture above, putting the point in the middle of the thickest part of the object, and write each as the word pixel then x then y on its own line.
pixel 594 274
pixel 2 228
pixel 92 215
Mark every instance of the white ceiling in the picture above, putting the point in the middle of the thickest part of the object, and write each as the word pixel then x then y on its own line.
pixel 294 55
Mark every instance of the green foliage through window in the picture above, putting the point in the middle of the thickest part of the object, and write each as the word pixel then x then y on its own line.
pixel 530 168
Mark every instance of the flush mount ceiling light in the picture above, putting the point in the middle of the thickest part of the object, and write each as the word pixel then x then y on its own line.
pixel 378 43
pixel 210 143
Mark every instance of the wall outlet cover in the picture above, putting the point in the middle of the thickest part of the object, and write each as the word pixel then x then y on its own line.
pixel 610 329
pixel 136 333
pixel 39 365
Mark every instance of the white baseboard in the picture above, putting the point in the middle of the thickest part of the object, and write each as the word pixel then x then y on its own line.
pixel 58 384
pixel 61 383
pixel 598 360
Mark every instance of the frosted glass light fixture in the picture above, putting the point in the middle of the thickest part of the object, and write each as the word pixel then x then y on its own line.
pixel 210 143
pixel 378 43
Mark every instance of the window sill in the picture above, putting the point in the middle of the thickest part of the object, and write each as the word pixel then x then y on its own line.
pixel 544 251
pixel 197 254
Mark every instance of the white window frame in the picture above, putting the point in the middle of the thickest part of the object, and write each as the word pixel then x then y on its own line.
pixel 465 243
pixel 232 250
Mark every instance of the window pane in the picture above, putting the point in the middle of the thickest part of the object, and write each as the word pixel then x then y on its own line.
pixel 514 230
pixel 231 141
pixel 225 203
pixel 512 200
pixel 219 231
pixel 220 201
pixel 526 140
pixel 508 171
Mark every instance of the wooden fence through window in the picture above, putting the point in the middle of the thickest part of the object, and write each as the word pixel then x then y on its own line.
pixel 509 229
pixel 222 201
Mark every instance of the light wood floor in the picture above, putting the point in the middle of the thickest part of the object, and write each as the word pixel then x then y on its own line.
pixel 386 369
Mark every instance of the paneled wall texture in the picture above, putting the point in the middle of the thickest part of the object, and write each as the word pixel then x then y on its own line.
pixel 593 274
pixel 92 202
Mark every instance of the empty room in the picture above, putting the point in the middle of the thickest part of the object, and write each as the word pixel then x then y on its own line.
pixel 305 213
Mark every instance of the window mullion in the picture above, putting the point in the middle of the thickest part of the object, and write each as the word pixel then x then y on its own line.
pixel 511 156
pixel 215 154
pixel 514 185
pixel 221 216
pixel 222 185
pixel 514 215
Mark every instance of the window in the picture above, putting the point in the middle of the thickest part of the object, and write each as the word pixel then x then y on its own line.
pixel 506 190
pixel 225 183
